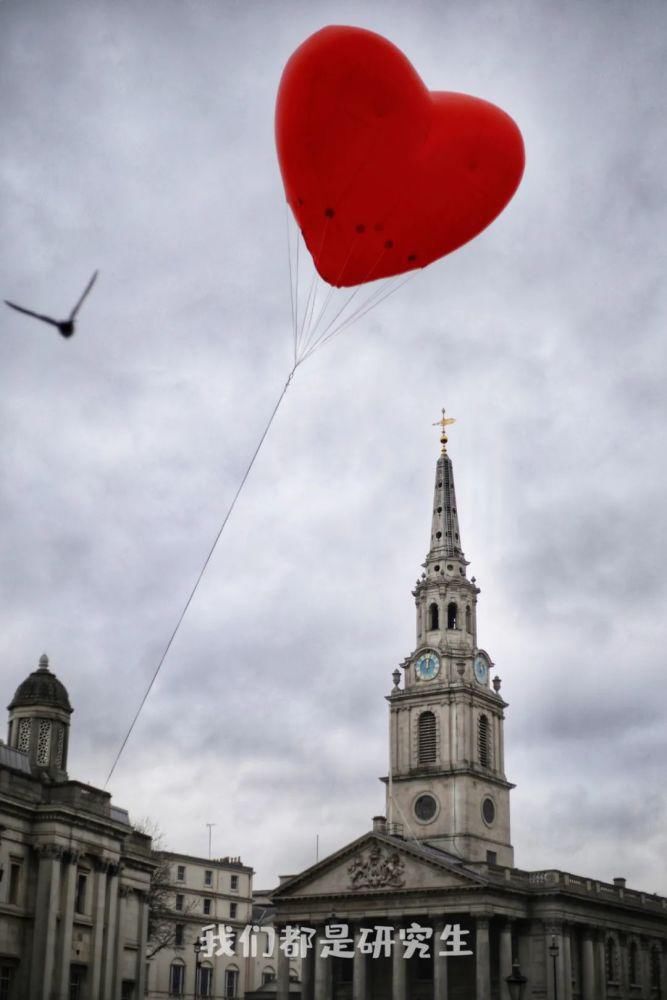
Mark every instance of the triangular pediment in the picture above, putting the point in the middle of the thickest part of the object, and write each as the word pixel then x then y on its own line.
pixel 380 864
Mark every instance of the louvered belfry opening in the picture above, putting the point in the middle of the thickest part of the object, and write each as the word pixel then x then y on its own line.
pixel 428 750
pixel 483 742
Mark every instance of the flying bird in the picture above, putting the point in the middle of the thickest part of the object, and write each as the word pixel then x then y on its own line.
pixel 65 326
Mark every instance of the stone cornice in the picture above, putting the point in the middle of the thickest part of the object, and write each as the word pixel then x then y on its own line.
pixel 441 772
pixel 445 694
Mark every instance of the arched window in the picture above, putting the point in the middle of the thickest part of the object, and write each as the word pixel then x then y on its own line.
pixel 268 975
pixel 231 981
pixel 427 738
pixel 633 963
pixel 176 978
pixel 452 613
pixel 468 619
pixel 484 741
pixel 433 617
pixel 610 960
pixel 205 980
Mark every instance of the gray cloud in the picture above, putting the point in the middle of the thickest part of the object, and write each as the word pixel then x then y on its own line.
pixel 139 139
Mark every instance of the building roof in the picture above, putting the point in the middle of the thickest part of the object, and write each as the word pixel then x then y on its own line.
pixel 41 687
pixel 235 864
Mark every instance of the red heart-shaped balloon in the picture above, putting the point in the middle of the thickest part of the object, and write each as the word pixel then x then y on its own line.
pixel 382 175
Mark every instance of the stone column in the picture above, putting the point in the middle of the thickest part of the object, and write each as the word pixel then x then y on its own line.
pixel 600 968
pixel 282 989
pixel 399 970
pixel 47 904
pixel 563 967
pixel 644 968
pixel 99 919
pixel 525 946
pixel 482 959
pixel 142 934
pixel 567 963
pixel 440 968
pixel 308 974
pixel 121 934
pixel 70 859
pixel 322 971
pixel 587 966
pixel 662 959
pixel 109 951
pixel 553 934
pixel 359 970
pixel 505 958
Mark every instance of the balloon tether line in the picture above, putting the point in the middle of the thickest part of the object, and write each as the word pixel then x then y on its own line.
pixel 303 350
pixel 203 568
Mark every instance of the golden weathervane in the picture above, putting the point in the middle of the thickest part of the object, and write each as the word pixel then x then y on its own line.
pixel 443 424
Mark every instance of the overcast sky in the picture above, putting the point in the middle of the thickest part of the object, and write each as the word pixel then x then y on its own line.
pixel 138 139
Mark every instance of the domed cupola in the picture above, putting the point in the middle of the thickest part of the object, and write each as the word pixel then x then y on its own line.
pixel 39 721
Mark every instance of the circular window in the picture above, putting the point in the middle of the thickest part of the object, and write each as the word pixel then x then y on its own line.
pixel 425 808
pixel 488 811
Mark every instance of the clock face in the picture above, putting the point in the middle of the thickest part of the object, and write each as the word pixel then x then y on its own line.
pixel 427 666
pixel 481 670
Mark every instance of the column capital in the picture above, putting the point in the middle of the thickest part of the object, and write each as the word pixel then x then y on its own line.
pixel 101 864
pixel 52 852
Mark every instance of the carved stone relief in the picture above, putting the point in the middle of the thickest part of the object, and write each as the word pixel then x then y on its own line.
pixel 378 869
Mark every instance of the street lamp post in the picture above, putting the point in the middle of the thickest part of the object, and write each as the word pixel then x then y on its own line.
pixel 516 982
pixel 197 947
pixel 553 951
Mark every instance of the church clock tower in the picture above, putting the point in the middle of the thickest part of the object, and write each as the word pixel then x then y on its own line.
pixel 447 783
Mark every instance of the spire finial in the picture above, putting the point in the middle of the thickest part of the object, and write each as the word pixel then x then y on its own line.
pixel 442 424
pixel 43 662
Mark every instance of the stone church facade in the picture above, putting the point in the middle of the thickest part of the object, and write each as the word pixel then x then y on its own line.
pixel 429 904
pixel 74 874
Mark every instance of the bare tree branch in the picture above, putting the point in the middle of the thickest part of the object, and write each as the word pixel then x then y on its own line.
pixel 162 915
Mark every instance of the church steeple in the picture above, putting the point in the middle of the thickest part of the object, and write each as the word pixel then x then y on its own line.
pixel 445 534
pixel 446 600
pixel 447 782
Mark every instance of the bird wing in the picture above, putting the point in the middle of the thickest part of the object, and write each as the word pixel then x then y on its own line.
pixel 29 312
pixel 85 292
